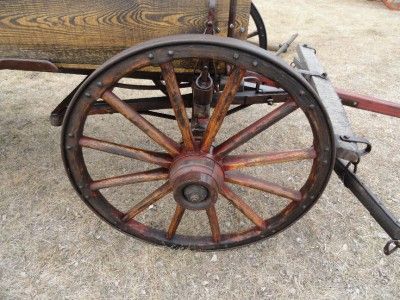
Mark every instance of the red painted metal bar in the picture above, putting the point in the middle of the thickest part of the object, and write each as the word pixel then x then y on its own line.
pixel 369 103
pixel 27 65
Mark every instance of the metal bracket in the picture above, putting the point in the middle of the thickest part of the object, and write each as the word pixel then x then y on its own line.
pixel 308 47
pixel 210 24
pixel 312 74
pixel 358 140
pixel 391 247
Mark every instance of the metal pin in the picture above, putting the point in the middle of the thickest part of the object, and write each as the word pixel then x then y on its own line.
pixel 87 94
pixel 69 147
pixel 231 26
pixel 170 53
pixel 235 55
pixel 151 55
pixel 242 30
pixel 255 63
pixel 99 83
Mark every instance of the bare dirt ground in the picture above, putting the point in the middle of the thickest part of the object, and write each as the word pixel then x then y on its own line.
pixel 53 246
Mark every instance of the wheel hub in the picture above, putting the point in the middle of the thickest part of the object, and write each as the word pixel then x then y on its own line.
pixel 195 180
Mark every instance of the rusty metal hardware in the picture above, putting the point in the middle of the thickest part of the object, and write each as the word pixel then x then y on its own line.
pixel 283 48
pixel 358 140
pixel 372 203
pixel 211 19
pixel 391 246
pixel 232 18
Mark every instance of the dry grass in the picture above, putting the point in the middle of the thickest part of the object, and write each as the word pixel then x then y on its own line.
pixel 52 246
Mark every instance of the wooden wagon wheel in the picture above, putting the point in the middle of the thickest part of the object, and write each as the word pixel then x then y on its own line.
pixel 392 4
pixel 197 172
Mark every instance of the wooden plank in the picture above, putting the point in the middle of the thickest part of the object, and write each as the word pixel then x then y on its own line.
pixel 88 32
pixel 341 125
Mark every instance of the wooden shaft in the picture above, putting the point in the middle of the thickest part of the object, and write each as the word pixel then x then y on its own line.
pixel 146 176
pixel 149 200
pixel 213 219
pixel 250 160
pixel 243 207
pixel 178 104
pixel 369 103
pixel 262 185
pixel 222 108
pixel 161 159
pixel 176 220
pixel 252 130
pixel 160 138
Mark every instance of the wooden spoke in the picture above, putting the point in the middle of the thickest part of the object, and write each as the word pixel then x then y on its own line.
pixel 161 159
pixel 252 34
pixel 222 107
pixel 146 176
pixel 252 130
pixel 135 86
pixel 176 220
pixel 238 202
pixel 262 185
pixel 178 104
pixel 149 200
pixel 160 138
pixel 213 219
pixel 250 160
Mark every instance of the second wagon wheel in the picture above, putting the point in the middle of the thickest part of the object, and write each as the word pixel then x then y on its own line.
pixel 173 184
pixel 257 29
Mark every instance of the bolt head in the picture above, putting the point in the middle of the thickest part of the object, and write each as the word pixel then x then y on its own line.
pixel 235 55
pixel 170 53
pixel 231 26
pixel 151 56
pixel 87 94
pixel 255 63
pixel 99 83
pixel 242 29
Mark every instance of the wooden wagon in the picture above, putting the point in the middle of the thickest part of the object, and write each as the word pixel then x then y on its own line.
pixel 196 56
